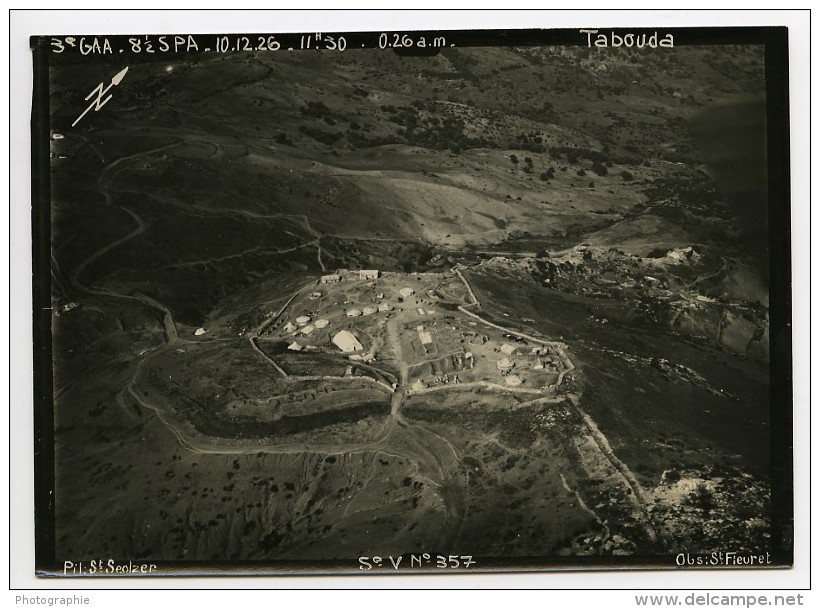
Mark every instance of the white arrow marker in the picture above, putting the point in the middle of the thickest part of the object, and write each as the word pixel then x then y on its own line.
pixel 99 102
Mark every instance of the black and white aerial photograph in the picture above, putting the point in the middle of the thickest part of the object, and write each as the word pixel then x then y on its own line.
pixel 412 302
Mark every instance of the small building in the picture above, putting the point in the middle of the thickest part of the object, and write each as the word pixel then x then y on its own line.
pixel 321 323
pixel 513 380
pixel 504 364
pixel 508 349
pixel 289 327
pixel 353 313
pixel 469 360
pixel 308 329
pixel 334 278
pixel 347 342
pixel 426 338
pixel 420 312
pixel 406 292
pixel 385 307
pixel 368 310
pixel 369 274
pixel 294 346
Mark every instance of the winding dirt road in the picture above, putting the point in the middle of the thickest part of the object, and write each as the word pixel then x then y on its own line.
pixel 103 182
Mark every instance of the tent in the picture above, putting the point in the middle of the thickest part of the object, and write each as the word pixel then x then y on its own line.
pixel 347 342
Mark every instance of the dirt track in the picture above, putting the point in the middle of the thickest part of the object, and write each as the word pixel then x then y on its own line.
pixel 103 182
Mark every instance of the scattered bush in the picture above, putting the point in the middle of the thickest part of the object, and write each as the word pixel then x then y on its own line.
pixel 283 139
pixel 599 168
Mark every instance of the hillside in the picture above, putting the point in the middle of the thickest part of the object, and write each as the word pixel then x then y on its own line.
pixel 577 211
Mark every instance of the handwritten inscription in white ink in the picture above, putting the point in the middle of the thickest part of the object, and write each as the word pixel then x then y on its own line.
pixel 163 44
pixel 628 40
pixel 238 43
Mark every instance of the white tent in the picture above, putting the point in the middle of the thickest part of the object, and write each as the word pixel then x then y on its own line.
pixel 347 342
